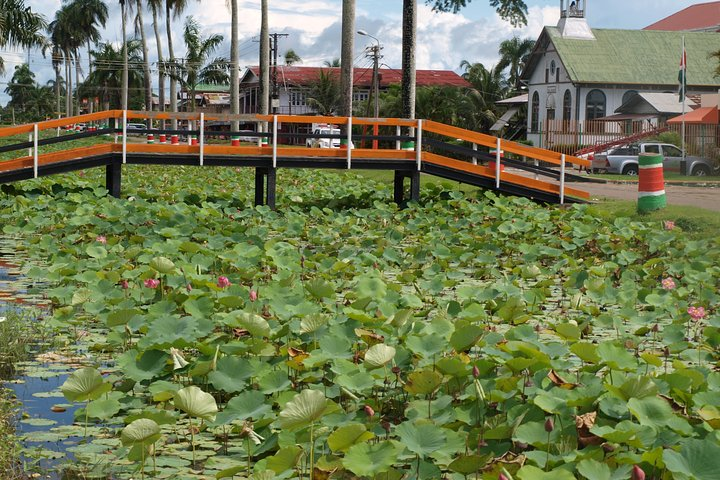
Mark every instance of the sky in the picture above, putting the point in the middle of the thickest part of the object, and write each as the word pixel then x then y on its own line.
pixel 313 27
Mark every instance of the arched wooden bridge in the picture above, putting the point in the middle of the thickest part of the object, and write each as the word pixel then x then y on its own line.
pixel 431 148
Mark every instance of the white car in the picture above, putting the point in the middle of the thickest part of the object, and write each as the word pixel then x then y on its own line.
pixel 324 142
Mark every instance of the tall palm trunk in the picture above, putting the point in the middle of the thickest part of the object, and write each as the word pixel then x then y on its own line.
pixel 264 62
pixel 68 83
pixel 77 80
pixel 147 83
pixel 234 65
pixel 409 31
pixel 124 97
pixel 346 56
pixel 161 77
pixel 56 67
pixel 171 54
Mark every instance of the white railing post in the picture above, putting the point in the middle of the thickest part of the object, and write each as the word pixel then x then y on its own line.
pixel 537 164
pixel 124 135
pixel 418 145
pixel 474 160
pixel 35 150
pixel 562 179
pixel 189 130
pixel 398 131
pixel 497 163
pixel 202 138
pixel 30 139
pixel 274 146
pixel 349 142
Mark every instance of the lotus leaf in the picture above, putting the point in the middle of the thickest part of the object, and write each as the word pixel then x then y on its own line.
pixel 303 409
pixel 84 384
pixel 142 431
pixel 348 435
pixel 162 265
pixel 421 439
pixel 379 355
pixel 196 403
pixel 366 459
pixel 697 459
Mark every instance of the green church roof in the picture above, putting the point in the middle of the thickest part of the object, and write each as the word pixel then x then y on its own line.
pixel 640 57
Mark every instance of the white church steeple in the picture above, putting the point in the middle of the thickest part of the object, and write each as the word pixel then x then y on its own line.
pixel 573 23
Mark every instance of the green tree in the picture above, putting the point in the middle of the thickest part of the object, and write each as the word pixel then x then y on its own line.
pixel 325 95
pixel 106 80
pixel 19 27
pixel 173 9
pixel 20 87
pixel 291 57
pixel 195 69
pixel 334 63
pixel 65 38
pixel 156 8
pixel 514 54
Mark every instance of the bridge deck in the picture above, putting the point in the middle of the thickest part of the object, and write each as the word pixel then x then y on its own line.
pixel 405 163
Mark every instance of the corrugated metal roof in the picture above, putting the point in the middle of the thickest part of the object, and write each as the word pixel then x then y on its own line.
pixel 662 103
pixel 638 57
pixel 362 77
pixel 706 115
pixel 703 16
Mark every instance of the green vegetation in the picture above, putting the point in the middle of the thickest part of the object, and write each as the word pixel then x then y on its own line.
pixel 10 446
pixel 340 336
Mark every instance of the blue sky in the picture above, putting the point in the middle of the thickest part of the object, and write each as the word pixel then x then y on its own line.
pixel 444 40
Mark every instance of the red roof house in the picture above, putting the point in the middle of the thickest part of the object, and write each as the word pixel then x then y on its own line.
pixel 703 17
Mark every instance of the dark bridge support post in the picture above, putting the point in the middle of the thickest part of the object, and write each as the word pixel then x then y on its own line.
pixel 113 178
pixel 265 186
pixel 399 190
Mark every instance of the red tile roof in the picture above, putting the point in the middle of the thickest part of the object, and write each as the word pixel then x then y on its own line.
pixel 363 76
pixel 703 16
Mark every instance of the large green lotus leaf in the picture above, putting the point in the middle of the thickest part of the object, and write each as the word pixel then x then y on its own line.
pixel 533 433
pixel 466 337
pixel 304 408
pixel 529 472
pixel 104 408
pixel 121 316
pixel 252 322
pixel 313 323
pixel 357 381
pixel 616 357
pixel 426 345
pixel 634 387
pixel 196 403
pixel 231 373
pixel 266 475
pixel 587 352
pixel 467 464
pixel 142 431
pixel 371 287
pixel 423 382
pixel 421 439
pixel 696 460
pixel 273 381
pixel 594 470
pixel 285 459
pixel 96 251
pixel 162 265
pixel 336 346
pixel 319 288
pixel 84 384
pixel 201 307
pixel 367 460
pixel 150 364
pixel 513 311
pixel 250 404
pixel 347 436
pixel 656 413
pixel 378 355
pixel 169 331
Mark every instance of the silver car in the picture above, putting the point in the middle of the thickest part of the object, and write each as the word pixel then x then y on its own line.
pixel 624 159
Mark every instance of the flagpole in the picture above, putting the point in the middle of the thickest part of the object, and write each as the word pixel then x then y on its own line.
pixel 683 87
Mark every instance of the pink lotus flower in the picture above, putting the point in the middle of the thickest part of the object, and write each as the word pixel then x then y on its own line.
pixel 124 284
pixel 637 473
pixel 152 283
pixel 188 287
pixel 476 371
pixel 101 239
pixel 369 411
pixel 668 224
pixel 253 295
pixel 668 283
pixel 696 313
pixel 502 477
pixel 223 282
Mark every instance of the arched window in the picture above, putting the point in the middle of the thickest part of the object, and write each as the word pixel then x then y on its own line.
pixel 550 107
pixel 595 105
pixel 628 95
pixel 535 113
pixel 567 106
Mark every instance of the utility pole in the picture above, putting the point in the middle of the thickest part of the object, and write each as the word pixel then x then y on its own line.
pixel 374 53
pixel 275 99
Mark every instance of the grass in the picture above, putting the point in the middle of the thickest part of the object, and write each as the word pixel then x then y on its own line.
pixel 9 448
pixel 697 222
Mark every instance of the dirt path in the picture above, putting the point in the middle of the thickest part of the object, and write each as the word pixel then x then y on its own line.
pixel 703 197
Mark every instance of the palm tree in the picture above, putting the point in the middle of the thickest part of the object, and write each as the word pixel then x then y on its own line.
pixel 65 38
pixel 156 8
pixel 106 80
pixel 325 95
pixel 514 53
pixel 19 26
pixel 234 64
pixel 346 56
pixel 20 86
pixel 291 58
pixel 515 11
pixel 193 69
pixel 334 63
pixel 173 9
pixel 140 27
pixel 489 86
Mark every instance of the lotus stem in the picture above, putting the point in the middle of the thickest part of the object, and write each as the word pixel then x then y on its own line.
pixel 192 441
pixel 312 450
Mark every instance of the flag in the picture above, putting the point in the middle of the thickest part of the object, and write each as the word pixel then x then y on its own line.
pixel 682 74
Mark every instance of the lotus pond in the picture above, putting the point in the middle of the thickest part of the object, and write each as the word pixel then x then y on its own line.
pixel 470 336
